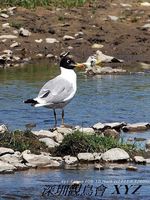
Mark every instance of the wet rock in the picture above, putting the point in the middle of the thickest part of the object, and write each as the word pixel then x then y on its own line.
pixel 136 127
pixel 70 160
pixel 111 133
pixel 109 70
pixel 39 160
pixel 139 159
pixel 51 40
pixel 4 15
pixel 147 145
pixel 131 168
pixel 6 167
pixel 85 157
pixel 97 46
pixel 64 131
pixel 24 32
pixel 115 154
pixel 49 142
pixel 8 36
pixel 68 37
pixel 3 128
pixel 15 44
pixel 4 151
pixel 97 156
pixel 89 131
pixel 147 161
pixel 99 167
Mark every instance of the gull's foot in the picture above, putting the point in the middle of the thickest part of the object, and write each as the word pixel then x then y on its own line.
pixel 66 126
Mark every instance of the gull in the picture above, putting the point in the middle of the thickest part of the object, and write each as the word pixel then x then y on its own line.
pixel 59 91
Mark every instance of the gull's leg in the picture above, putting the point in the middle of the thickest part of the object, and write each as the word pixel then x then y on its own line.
pixel 55 117
pixel 62 117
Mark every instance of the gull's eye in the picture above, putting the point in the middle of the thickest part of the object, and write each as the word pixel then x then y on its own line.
pixel 68 61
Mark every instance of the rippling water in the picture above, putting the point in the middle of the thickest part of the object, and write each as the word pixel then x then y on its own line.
pixel 99 99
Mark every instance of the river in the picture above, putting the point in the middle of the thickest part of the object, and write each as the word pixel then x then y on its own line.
pixel 106 98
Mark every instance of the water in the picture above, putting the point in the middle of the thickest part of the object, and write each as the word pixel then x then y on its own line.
pixel 98 99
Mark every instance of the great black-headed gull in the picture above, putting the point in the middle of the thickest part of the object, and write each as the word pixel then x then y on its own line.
pixel 58 92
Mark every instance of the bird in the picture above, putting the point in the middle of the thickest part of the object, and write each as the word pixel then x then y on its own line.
pixel 59 91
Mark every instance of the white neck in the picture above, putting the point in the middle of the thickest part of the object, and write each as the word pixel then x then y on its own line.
pixel 68 74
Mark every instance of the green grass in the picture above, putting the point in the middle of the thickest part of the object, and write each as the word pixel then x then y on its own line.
pixel 81 142
pixel 34 3
pixel 20 141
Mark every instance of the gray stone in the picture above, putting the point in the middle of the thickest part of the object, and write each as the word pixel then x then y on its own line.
pixel 51 40
pixel 87 130
pixel 68 37
pixel 115 154
pixel 111 133
pixel 6 167
pixel 24 32
pixel 3 128
pixel 64 131
pixel 49 142
pixel 42 133
pixel 139 159
pixel 70 160
pixel 4 151
pixel 143 126
pixel 85 157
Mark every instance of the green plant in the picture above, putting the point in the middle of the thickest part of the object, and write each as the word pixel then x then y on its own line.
pixel 82 142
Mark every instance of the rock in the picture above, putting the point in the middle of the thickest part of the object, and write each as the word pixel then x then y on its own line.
pixel 79 34
pixel 115 154
pixel 131 168
pixel 58 137
pixel 111 133
pixel 98 167
pixel 51 40
pixel 136 127
pixel 12 159
pixel 3 128
pixel 147 144
pixel 21 166
pixel 89 131
pixel 49 142
pixel 139 159
pixel 6 167
pixel 6 25
pixel 4 15
pixel 97 46
pixel 64 131
pixel 147 161
pixel 39 41
pixel 15 44
pixel 146 27
pixel 114 125
pixel 4 151
pixel 116 166
pixel 97 156
pixel 42 133
pixel 24 32
pixel 40 55
pixel 68 37
pixel 125 5
pixel 50 55
pixel 85 157
pixel 113 18
pixel 147 4
pixel 39 160
pixel 105 58
pixel 70 160
pixel 109 70
pixel 8 36
pixel 99 126
pixel 8 52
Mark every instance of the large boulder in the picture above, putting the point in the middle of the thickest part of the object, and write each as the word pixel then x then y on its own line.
pixel 115 154
pixel 4 150
pixel 6 167
pixel 85 157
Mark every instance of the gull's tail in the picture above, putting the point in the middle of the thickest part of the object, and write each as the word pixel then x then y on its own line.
pixel 31 101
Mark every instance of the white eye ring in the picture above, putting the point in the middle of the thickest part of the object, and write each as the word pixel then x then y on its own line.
pixel 68 61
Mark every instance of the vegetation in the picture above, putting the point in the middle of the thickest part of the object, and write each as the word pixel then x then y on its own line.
pixel 34 3
pixel 20 141
pixel 82 142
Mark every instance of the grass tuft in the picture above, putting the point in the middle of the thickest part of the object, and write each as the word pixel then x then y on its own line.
pixel 81 142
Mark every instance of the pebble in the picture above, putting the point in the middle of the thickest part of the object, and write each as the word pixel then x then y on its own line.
pixel 68 37
pixel 39 41
pixel 8 37
pixel 4 15
pixel 97 46
pixel 6 25
pixel 51 40
pixel 24 32
pixel 15 44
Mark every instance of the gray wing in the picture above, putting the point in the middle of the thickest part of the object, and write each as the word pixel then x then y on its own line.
pixel 55 90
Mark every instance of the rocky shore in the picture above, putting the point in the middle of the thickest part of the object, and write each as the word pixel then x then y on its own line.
pixel 43 154
pixel 117 29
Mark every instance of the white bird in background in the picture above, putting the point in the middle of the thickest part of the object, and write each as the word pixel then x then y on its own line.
pixel 58 92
